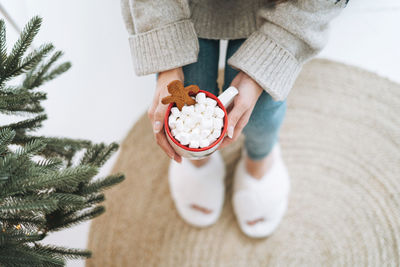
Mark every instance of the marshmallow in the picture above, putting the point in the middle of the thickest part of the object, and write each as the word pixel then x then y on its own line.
pixel 208 113
pixel 217 123
pixel 209 109
pixel 201 98
pixel 184 138
pixel 174 132
pixel 216 133
pixel 207 116
pixel 178 136
pixel 205 133
pixel 172 122
pixel 179 125
pixel 185 110
pixel 191 110
pixel 194 136
pixel 194 144
pixel 211 102
pixel 176 112
pixel 195 130
pixel 185 129
pixel 199 108
pixel 206 123
pixel 189 122
pixel 196 117
pixel 219 113
pixel 204 143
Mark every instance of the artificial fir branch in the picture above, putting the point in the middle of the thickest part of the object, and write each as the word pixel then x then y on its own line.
pixel 69 253
pixel 101 184
pixel 45 186
pixel 33 58
pixel 95 198
pixel 3 48
pixel 15 205
pixel 12 65
pixel 75 218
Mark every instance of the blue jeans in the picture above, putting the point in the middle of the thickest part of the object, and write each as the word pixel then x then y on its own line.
pixel 261 132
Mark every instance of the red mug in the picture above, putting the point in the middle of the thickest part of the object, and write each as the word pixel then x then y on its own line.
pixel 223 101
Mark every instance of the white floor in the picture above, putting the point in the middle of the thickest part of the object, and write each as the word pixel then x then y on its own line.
pixel 100 97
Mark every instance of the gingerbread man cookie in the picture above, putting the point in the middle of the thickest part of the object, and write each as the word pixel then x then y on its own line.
pixel 180 94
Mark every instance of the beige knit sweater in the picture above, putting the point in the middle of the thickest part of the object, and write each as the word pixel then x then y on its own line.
pixel 163 34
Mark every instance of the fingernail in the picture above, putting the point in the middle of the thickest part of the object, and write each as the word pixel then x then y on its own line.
pixel 177 160
pixel 230 132
pixel 157 127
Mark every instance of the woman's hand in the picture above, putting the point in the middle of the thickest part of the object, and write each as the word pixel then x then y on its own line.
pixel 243 105
pixel 157 110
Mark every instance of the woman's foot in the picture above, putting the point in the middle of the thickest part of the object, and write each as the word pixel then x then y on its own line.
pixel 198 191
pixel 260 194
pixel 257 168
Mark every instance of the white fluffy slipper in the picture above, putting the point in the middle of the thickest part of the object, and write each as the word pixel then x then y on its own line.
pixel 259 204
pixel 198 193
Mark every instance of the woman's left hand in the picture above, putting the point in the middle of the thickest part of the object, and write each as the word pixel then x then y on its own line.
pixel 243 105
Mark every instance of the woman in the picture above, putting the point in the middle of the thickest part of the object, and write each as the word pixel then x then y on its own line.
pixel 269 41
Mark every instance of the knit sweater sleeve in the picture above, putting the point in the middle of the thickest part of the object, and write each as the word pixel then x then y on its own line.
pixel 287 36
pixel 161 35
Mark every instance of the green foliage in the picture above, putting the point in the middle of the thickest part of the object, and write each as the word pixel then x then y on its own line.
pixel 44 185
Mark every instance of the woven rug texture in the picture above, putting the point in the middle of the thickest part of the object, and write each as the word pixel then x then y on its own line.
pixel 341 142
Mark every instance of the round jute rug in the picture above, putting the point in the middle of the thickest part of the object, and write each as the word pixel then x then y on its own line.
pixel 341 143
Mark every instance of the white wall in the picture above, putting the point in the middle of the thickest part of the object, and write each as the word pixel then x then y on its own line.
pixel 367 35
pixel 100 97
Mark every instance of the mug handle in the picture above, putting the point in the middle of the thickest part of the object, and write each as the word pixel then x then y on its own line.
pixel 228 95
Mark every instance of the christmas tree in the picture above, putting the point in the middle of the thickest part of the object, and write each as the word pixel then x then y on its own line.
pixel 46 183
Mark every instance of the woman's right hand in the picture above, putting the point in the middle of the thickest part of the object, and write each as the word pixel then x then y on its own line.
pixel 157 110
